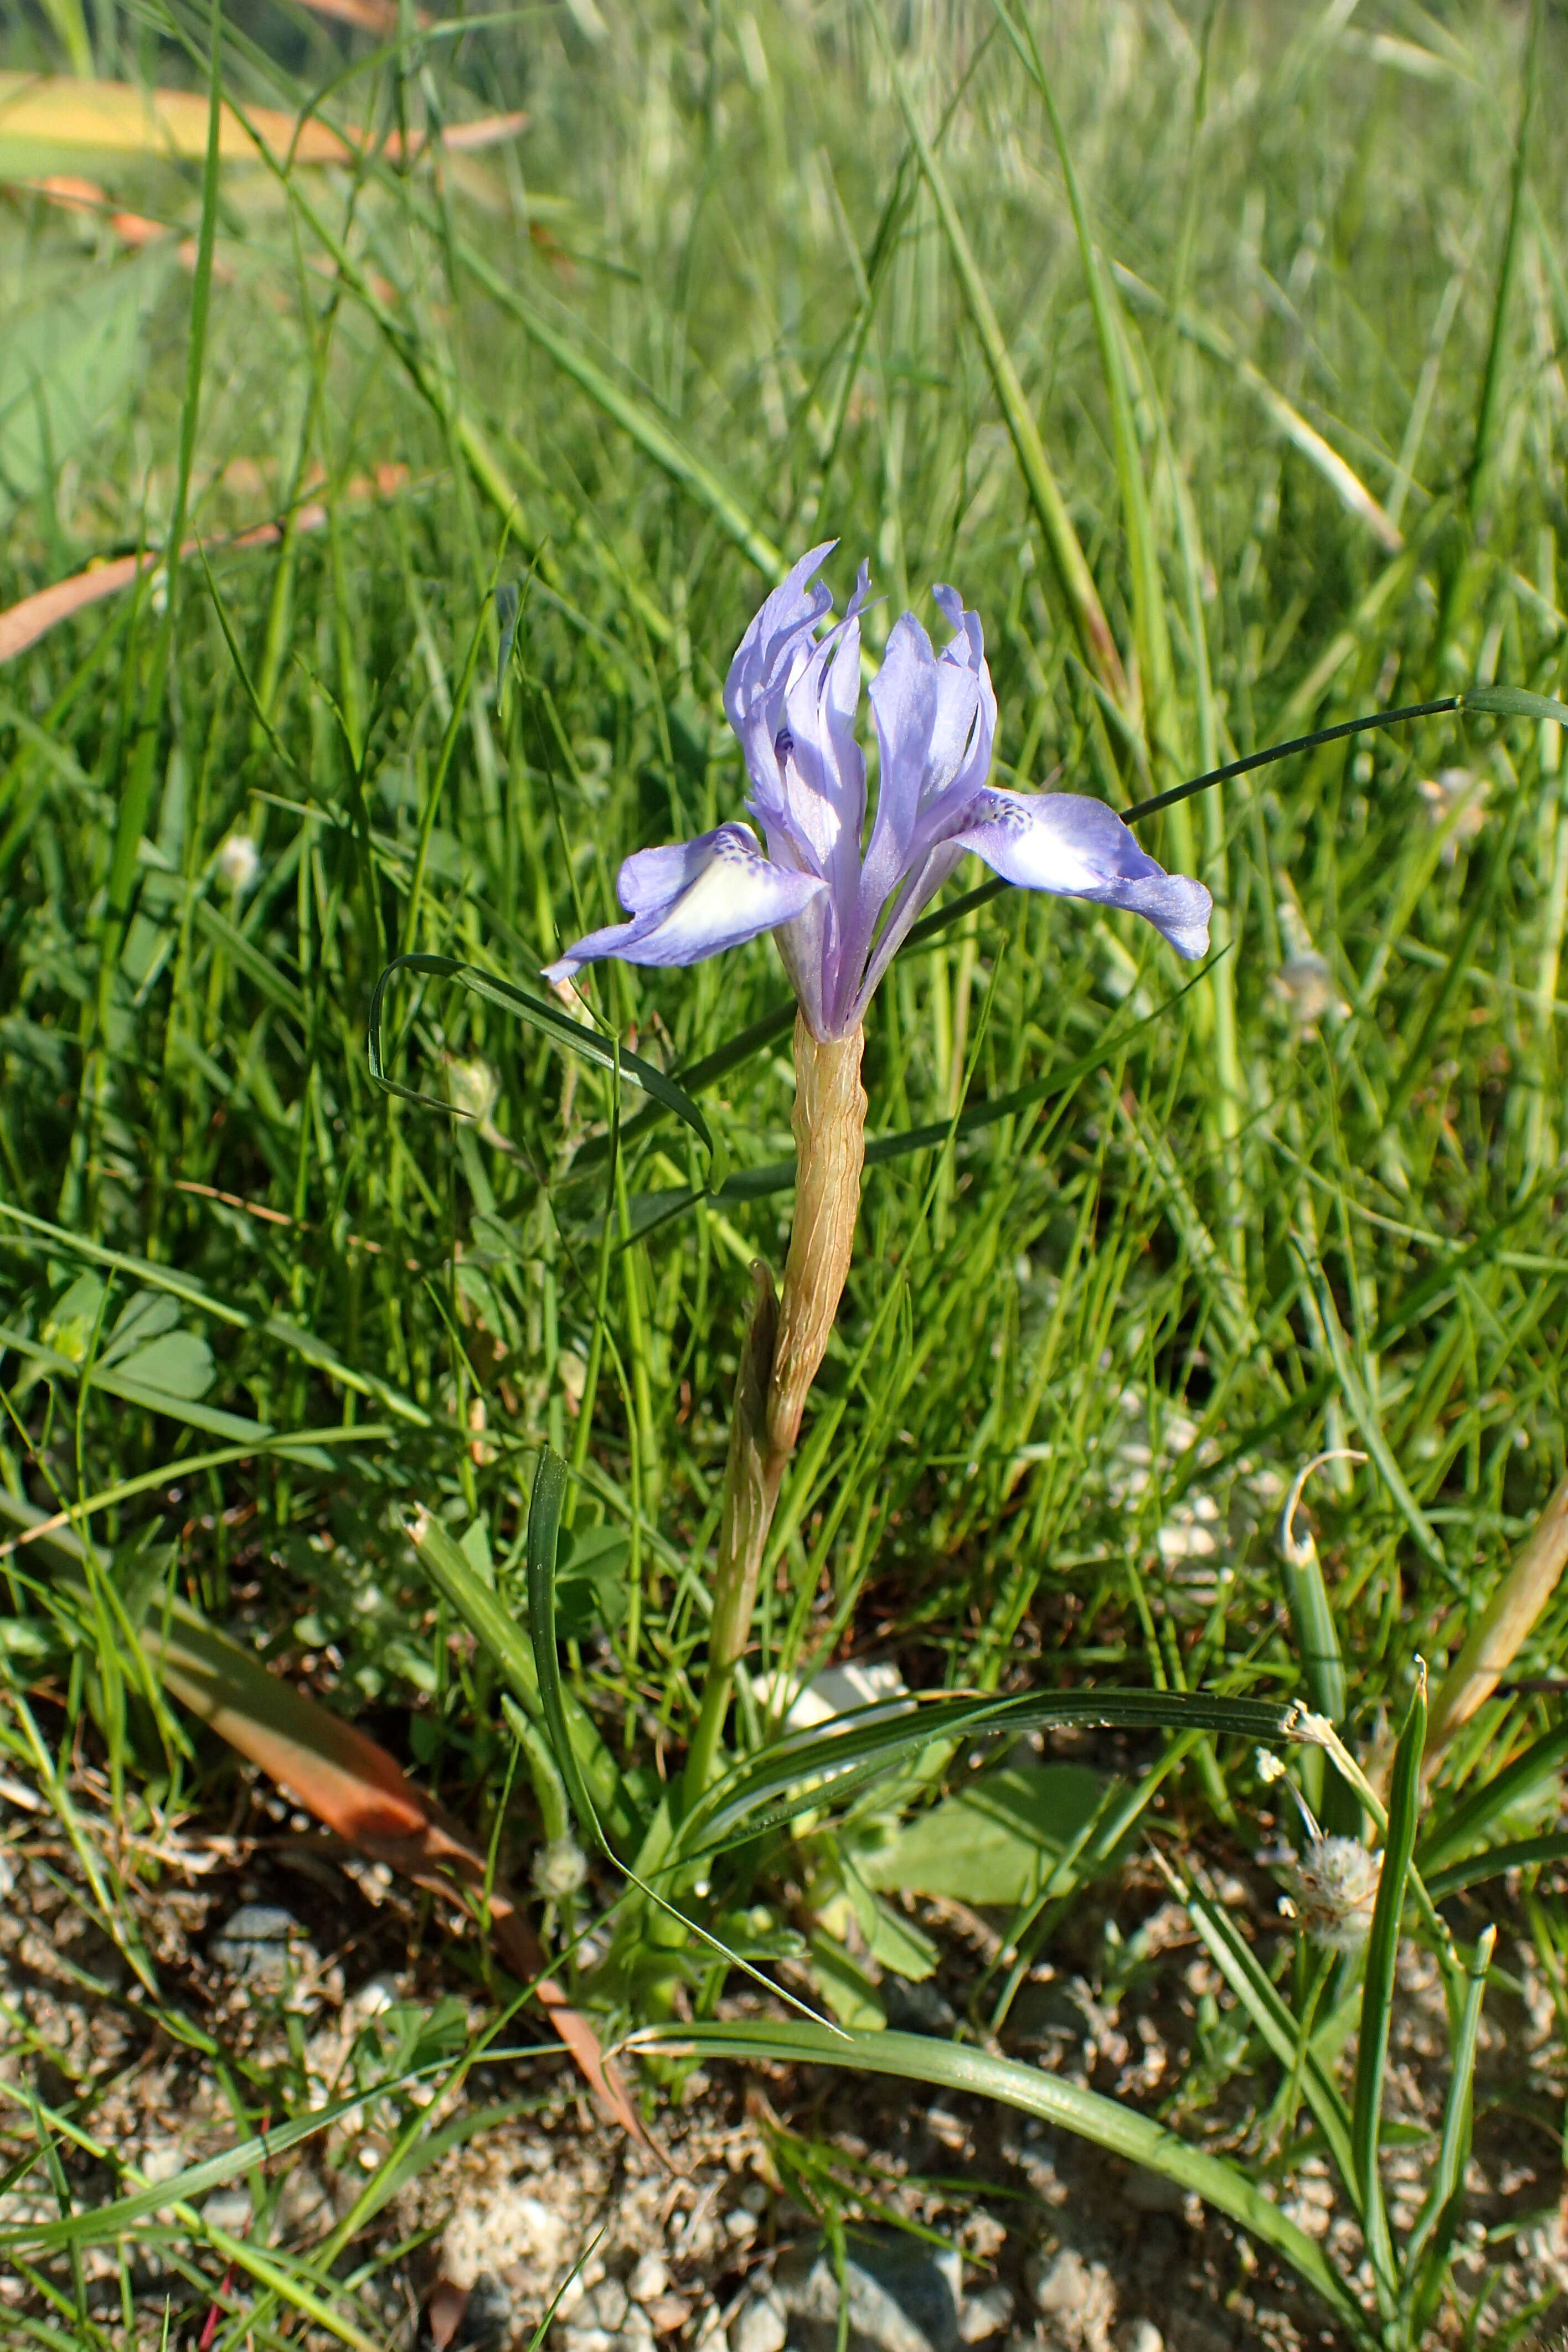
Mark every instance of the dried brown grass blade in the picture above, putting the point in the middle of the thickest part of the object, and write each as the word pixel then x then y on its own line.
pixel 24 624
pixel 356 1789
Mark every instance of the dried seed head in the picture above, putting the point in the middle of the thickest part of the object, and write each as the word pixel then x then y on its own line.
pixel 1335 1887
pixel 559 1869
pixel 1270 1767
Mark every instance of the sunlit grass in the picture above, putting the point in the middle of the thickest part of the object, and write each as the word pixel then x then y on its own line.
pixel 712 304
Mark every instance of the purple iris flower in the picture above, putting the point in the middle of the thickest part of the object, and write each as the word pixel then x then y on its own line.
pixel 841 912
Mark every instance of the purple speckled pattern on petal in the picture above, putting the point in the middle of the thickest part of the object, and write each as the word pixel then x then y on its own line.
pixel 840 915
pixel 693 901
pixel 1077 848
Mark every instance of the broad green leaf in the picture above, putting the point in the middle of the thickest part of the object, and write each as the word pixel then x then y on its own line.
pixel 845 1986
pixel 179 1365
pixel 950 2066
pixel 999 1842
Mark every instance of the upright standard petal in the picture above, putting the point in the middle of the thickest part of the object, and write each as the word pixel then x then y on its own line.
pixel 766 658
pixel 1076 847
pixel 692 899
pixel 822 766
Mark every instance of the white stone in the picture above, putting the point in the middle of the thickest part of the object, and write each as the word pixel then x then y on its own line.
pixel 1139 2336
pixel 507 2226
pixel 650 2279
pixel 228 2208
pixel 760 2326
pixel 989 2313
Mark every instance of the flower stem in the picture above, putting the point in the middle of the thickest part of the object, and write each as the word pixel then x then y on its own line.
pixel 785 1345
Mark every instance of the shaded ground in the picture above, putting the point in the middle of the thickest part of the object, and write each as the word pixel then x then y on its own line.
pixel 317 1975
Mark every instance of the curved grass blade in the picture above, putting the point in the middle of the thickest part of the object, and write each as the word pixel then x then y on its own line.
pixel 1450 1840
pixel 1377 1996
pixel 1260 1996
pixel 950 2066
pixel 540 1014
pixel 1440 2214
pixel 1524 1854
pixel 544 1534
pixel 755 1795
pixel 508 1648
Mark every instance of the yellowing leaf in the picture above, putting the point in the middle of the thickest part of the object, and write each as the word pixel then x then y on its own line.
pixel 45 115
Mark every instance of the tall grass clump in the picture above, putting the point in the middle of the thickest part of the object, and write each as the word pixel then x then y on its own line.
pixel 401 420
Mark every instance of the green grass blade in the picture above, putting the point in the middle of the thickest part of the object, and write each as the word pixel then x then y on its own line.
pixel 746 1803
pixel 1121 2130
pixel 1496 369
pixel 636 416
pixel 559 1027
pixel 504 1642
pixel 1362 1410
pixel 1458 1832
pixel 1381 1960
pixel 131 819
pixel 1238 1963
pixel 1077 581
pixel 543 1535
pixel 1439 2214
pixel 1311 1617
pixel 1525 1853
pixel 1148 629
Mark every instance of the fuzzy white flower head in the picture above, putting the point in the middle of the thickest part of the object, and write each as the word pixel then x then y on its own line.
pixel 559 1869
pixel 238 863
pixel 1336 1884
pixel 1270 1767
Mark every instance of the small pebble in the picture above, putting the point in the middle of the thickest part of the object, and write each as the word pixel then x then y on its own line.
pixel 228 2210
pixel 1139 2336
pixel 650 2279
pixel 760 2326
pixel 990 2312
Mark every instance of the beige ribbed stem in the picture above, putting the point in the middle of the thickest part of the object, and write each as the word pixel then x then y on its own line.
pixel 784 1349
pixel 1504 1630
pixel 829 1125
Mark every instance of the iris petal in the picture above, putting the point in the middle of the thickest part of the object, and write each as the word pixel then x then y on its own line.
pixel 1075 847
pixel 691 900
